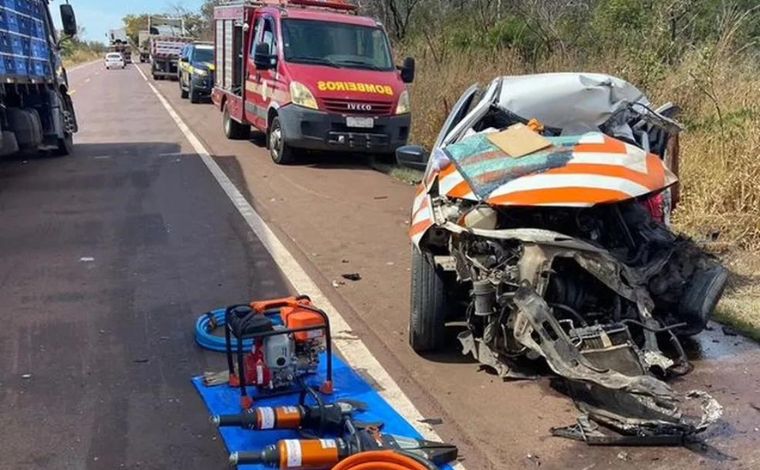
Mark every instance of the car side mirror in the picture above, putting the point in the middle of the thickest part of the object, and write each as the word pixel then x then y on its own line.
pixel 184 59
pixel 412 156
pixel 68 20
pixel 407 70
pixel 262 57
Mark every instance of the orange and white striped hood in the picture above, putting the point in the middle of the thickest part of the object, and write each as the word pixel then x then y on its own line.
pixel 576 171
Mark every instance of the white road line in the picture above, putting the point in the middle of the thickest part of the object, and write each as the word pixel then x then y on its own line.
pixel 351 348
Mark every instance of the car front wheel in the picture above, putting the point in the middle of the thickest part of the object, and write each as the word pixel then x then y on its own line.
pixel 428 304
pixel 279 150
pixel 182 92
pixel 194 96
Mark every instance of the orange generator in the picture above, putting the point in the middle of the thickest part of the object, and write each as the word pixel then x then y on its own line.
pixel 288 335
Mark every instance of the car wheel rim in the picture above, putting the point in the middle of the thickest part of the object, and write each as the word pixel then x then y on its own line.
pixel 276 142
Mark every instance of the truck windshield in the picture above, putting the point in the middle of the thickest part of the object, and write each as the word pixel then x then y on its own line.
pixel 336 44
pixel 203 54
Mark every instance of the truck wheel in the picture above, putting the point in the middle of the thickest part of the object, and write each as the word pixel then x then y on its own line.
pixel 279 150
pixel 429 306
pixel 194 97
pixel 65 145
pixel 232 128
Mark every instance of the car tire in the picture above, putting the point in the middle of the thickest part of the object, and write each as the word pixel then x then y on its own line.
pixel 194 97
pixel 233 129
pixel 182 92
pixel 427 330
pixel 701 296
pixel 65 145
pixel 279 150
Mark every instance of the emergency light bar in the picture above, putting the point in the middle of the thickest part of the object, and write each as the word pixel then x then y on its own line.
pixel 340 5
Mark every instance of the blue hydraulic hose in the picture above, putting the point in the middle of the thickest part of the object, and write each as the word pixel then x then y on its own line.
pixel 204 327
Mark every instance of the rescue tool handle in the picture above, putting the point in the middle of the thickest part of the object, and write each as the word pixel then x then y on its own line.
pixel 232 420
pixel 243 458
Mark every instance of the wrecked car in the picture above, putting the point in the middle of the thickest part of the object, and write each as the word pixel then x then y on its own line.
pixel 541 230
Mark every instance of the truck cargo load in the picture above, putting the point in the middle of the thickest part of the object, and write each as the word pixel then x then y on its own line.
pixel 24 45
pixel 164 55
pixel 36 112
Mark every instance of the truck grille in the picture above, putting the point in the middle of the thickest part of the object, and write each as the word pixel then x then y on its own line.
pixel 363 108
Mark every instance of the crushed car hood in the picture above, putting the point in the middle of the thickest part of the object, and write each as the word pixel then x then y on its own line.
pixel 576 171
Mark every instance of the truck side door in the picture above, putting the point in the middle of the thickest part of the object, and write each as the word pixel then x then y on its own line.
pixel 259 88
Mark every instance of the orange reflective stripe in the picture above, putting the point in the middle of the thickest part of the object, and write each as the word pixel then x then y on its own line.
pixel 656 168
pixel 609 146
pixel 449 169
pixel 420 227
pixel 425 204
pixel 460 190
pixel 651 180
pixel 569 195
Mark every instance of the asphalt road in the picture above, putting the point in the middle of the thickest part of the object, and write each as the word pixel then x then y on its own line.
pixel 107 257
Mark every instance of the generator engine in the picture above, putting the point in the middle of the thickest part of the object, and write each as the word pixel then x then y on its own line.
pixel 282 352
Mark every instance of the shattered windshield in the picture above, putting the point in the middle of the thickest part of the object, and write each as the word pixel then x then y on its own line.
pixel 336 44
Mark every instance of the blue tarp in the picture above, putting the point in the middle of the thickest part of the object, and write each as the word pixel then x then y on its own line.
pixel 223 399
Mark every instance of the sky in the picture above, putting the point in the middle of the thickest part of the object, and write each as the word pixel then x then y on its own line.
pixel 98 16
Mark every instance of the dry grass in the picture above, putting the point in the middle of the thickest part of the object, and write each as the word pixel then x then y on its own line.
pixel 719 93
pixel 80 57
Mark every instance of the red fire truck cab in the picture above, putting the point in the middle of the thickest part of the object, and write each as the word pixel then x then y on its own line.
pixel 311 75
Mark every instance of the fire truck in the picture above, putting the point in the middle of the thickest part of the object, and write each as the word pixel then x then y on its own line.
pixel 311 75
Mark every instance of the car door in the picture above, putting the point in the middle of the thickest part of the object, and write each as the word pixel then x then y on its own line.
pixel 252 88
pixel 259 84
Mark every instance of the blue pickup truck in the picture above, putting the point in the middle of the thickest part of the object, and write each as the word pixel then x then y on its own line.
pixel 36 111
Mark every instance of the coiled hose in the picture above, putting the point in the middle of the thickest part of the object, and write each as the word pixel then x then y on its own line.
pixel 382 460
pixel 204 327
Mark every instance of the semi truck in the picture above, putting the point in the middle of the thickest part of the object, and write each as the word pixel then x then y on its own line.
pixel 164 55
pixel 167 38
pixel 143 45
pixel 36 111
pixel 310 74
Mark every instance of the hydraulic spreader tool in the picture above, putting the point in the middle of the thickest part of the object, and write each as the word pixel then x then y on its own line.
pixel 355 445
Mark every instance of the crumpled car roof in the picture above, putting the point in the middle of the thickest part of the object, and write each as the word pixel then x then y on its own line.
pixel 573 102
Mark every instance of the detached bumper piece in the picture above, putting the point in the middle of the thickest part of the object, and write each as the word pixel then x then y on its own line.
pixel 604 373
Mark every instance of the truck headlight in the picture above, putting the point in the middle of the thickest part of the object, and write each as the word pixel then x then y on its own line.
pixel 200 72
pixel 403 106
pixel 301 96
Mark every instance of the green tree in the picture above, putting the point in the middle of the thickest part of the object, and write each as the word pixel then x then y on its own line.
pixel 134 24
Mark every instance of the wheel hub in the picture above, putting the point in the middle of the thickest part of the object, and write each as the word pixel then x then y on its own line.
pixel 275 142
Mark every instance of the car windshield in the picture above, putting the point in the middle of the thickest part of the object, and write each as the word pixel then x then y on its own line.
pixel 336 44
pixel 114 56
pixel 205 54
